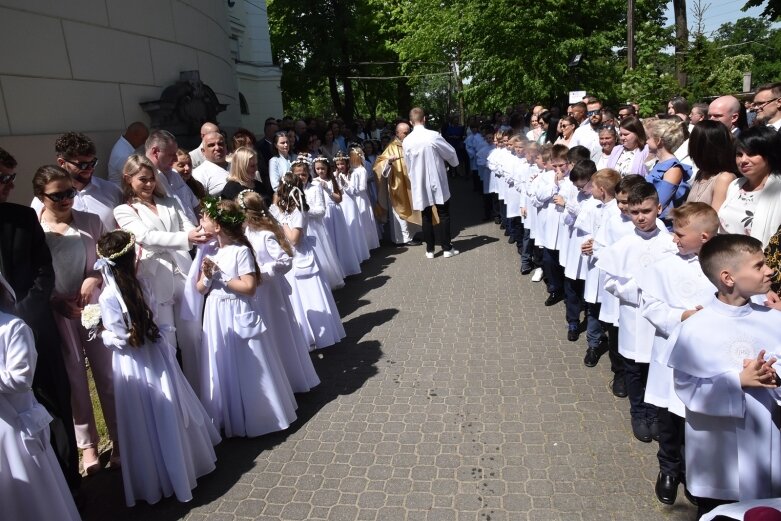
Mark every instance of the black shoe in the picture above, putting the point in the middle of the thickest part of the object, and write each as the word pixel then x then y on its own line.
pixel 618 387
pixel 653 426
pixel 666 488
pixel 640 430
pixel 526 271
pixel 412 242
pixel 553 298
pixel 501 226
pixel 592 357
pixel 573 334
pixel 498 220
pixel 511 240
pixel 688 495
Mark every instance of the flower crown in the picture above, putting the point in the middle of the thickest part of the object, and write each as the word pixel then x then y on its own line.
pixel 321 159
pixel 302 159
pixel 211 207
pixel 341 156
pixel 130 244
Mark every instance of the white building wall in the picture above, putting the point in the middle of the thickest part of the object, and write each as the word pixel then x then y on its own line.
pixel 85 65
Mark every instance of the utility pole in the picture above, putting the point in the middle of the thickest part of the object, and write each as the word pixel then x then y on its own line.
pixel 630 34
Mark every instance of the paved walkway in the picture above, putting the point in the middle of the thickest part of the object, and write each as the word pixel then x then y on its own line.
pixel 455 397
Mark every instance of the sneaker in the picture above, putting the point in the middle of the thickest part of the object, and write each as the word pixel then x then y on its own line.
pixel 537 276
pixel 452 252
pixel 429 254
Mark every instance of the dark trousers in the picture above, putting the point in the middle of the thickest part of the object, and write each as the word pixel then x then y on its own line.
pixel 527 250
pixel 573 299
pixel 595 333
pixel 706 504
pixel 518 230
pixel 477 183
pixel 636 374
pixel 495 210
pixel 487 207
pixel 444 222
pixel 671 436
pixel 616 360
pixel 553 271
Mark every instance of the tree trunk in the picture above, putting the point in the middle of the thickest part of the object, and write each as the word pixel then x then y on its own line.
pixel 333 89
pixel 681 40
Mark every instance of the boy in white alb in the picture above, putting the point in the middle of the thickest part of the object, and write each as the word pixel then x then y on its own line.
pixel 549 215
pixel 615 225
pixel 593 214
pixel 622 263
pixel 727 382
pixel 671 291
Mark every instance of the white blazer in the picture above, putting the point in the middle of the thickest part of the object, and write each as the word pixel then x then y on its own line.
pixel 161 241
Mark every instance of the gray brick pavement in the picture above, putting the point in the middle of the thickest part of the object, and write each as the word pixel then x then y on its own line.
pixel 454 397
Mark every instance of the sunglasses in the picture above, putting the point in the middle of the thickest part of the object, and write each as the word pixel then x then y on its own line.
pixel 593 112
pixel 7 178
pixel 61 196
pixel 83 165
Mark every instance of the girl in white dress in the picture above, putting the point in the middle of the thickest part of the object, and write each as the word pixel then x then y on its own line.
pixel 274 256
pixel 32 486
pixel 347 251
pixel 166 436
pixel 244 386
pixel 313 303
pixel 359 188
pixel 352 214
pixel 323 245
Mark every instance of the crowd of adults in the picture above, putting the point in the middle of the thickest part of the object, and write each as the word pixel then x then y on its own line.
pixel 353 183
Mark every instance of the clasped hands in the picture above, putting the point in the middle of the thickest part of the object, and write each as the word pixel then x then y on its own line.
pixel 758 372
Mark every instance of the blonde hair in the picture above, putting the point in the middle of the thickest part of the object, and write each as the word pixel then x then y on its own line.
pixel 669 133
pixel 701 213
pixel 607 179
pixel 134 165
pixel 239 171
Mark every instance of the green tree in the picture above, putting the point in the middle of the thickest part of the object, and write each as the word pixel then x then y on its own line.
pixel 772 8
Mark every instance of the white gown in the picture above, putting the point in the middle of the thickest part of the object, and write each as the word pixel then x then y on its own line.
pixel 244 387
pixel 358 187
pixel 165 435
pixel 323 245
pixel 312 301
pixel 352 216
pixel 349 254
pixel 32 486
pixel 733 443
pixel 273 299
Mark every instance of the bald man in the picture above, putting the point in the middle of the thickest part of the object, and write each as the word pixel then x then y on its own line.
pixel 196 154
pixel 726 109
pixel 135 135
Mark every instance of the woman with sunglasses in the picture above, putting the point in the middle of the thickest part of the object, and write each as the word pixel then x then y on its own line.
pixel 164 237
pixel 567 126
pixel 279 164
pixel 71 236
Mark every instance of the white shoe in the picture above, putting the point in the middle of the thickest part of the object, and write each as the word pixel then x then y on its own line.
pixel 452 252
pixel 429 254
pixel 537 275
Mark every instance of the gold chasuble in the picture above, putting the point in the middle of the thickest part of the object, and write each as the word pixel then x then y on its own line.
pixel 397 187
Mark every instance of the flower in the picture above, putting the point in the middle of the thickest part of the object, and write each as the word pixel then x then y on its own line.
pixel 90 319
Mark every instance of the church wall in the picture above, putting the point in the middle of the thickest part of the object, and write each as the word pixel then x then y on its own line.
pixel 85 65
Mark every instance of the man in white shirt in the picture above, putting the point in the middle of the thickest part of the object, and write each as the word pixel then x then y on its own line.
pixel 587 134
pixel 196 154
pixel 160 148
pixel 767 102
pixel 725 109
pixel 135 135
pixel 425 153
pixel 76 154
pixel 213 173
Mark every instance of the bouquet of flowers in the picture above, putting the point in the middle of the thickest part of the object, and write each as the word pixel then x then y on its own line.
pixel 90 319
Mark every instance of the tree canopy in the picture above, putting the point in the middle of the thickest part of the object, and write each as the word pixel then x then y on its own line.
pixel 378 57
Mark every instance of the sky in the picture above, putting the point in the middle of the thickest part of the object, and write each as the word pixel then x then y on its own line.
pixel 718 13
